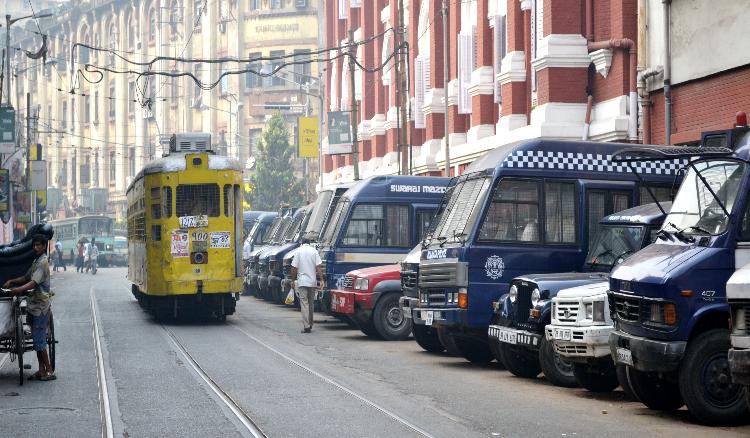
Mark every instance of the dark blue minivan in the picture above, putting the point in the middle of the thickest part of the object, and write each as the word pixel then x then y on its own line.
pixel 377 222
pixel 530 207
pixel 668 302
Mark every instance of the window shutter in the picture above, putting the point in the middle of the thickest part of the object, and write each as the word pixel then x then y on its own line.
pixel 465 52
pixel 343 9
pixel 498 33
pixel 427 74
pixel 419 90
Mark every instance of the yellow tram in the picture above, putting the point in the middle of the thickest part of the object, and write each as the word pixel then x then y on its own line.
pixel 184 230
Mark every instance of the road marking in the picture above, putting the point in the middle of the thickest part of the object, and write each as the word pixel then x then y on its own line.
pixel 106 414
pixel 332 382
pixel 233 406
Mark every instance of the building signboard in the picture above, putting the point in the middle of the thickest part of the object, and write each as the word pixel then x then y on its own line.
pixel 7 130
pixel 339 133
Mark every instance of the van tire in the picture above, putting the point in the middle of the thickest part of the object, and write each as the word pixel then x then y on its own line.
pixel 389 319
pixel 601 377
pixel 367 328
pixel 498 354
pixel 622 378
pixel 558 370
pixel 449 343
pixel 473 349
pixel 427 338
pixel 520 361
pixel 655 392
pixel 715 400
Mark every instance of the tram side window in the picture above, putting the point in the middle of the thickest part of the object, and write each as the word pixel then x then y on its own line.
pixel 560 213
pixel 155 211
pixel 514 212
pixel 377 225
pixel 198 199
pixel 167 202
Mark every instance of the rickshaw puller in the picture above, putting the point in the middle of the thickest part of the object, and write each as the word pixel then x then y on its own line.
pixel 36 284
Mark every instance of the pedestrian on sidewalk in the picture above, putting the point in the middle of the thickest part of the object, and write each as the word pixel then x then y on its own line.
pixel 305 265
pixel 36 284
pixel 79 259
pixel 59 262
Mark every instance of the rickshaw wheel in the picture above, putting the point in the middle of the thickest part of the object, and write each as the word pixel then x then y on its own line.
pixel 51 341
pixel 20 347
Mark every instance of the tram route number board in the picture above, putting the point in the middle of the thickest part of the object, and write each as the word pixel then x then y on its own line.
pixel 193 221
pixel 221 239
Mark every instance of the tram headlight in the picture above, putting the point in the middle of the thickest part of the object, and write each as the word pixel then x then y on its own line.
pixel 513 293
pixel 536 295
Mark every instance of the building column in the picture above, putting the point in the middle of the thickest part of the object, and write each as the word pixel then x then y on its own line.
pixel 457 123
pixel 482 87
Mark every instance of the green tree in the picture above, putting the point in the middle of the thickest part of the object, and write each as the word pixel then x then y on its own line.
pixel 273 183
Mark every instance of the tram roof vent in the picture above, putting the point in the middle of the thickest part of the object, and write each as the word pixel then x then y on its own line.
pixel 190 142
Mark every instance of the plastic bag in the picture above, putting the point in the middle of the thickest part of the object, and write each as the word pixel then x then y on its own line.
pixel 289 298
pixel 6 318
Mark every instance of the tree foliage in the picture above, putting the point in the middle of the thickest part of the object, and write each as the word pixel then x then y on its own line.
pixel 273 182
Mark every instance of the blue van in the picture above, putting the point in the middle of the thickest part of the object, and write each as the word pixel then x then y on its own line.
pixel 529 207
pixel 280 260
pixel 274 233
pixel 668 302
pixel 249 218
pixel 290 236
pixel 377 222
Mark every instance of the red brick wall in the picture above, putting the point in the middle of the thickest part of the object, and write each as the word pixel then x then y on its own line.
pixel 702 105
pixel 614 19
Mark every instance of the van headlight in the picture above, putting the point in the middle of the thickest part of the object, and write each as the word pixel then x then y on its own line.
pixel 589 307
pixel 361 284
pixel 513 293
pixel 536 295
pixel 598 311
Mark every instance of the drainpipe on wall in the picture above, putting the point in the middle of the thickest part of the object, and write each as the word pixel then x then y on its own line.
pixel 644 98
pixel 667 74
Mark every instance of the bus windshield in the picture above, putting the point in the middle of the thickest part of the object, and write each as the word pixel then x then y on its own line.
pixel 318 214
pixel 334 224
pixel 461 203
pixel 95 227
pixel 614 243
pixel 695 209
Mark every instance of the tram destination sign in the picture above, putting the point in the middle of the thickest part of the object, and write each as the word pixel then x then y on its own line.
pixel 199 221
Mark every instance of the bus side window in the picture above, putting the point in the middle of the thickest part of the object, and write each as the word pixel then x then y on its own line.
pixel 662 194
pixel 602 203
pixel 560 208
pixel 514 212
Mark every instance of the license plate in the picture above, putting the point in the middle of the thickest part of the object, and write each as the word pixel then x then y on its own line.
pixel 563 334
pixel 624 356
pixel 506 336
pixel 428 316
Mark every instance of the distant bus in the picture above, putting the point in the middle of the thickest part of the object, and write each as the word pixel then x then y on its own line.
pixel 72 230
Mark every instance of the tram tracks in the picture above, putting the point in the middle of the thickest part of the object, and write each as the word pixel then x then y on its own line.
pixel 234 407
pixel 101 375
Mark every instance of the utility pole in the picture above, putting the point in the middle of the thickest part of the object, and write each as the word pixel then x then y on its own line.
pixel 402 81
pixel 28 159
pixel 7 58
pixel 355 141
pixel 446 75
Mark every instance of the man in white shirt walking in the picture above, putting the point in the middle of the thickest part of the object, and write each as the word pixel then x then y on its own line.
pixel 305 265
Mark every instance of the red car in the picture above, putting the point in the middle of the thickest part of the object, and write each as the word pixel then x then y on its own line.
pixel 370 299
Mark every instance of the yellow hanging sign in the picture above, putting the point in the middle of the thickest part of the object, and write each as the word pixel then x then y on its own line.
pixel 308 137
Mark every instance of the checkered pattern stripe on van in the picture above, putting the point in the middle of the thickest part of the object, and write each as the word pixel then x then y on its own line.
pixel 582 162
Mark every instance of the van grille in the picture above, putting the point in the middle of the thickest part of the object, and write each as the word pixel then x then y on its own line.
pixel 522 306
pixel 624 308
pixel 348 282
pixel 409 278
pixel 567 311
pixel 443 274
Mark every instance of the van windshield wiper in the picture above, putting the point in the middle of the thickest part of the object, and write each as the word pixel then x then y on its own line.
pixel 697 228
pixel 679 233
pixel 663 234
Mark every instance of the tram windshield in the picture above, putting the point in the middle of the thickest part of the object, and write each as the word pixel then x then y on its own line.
pixel 198 199
pixel 696 210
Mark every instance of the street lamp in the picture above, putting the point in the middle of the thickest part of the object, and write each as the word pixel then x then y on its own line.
pixel 8 23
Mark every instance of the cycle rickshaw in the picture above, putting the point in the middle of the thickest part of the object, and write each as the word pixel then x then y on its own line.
pixel 17 338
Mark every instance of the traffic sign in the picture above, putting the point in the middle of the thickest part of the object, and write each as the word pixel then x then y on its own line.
pixel 7 130
pixel 308 137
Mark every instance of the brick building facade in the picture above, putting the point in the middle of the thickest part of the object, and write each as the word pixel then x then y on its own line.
pixel 518 69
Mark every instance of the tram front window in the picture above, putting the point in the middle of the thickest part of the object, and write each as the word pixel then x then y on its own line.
pixel 198 199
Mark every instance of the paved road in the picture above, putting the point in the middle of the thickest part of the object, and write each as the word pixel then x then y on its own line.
pixel 333 382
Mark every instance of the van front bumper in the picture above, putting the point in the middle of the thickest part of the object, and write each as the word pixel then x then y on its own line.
pixel 646 354
pixel 438 316
pixel 590 342
pixel 407 305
